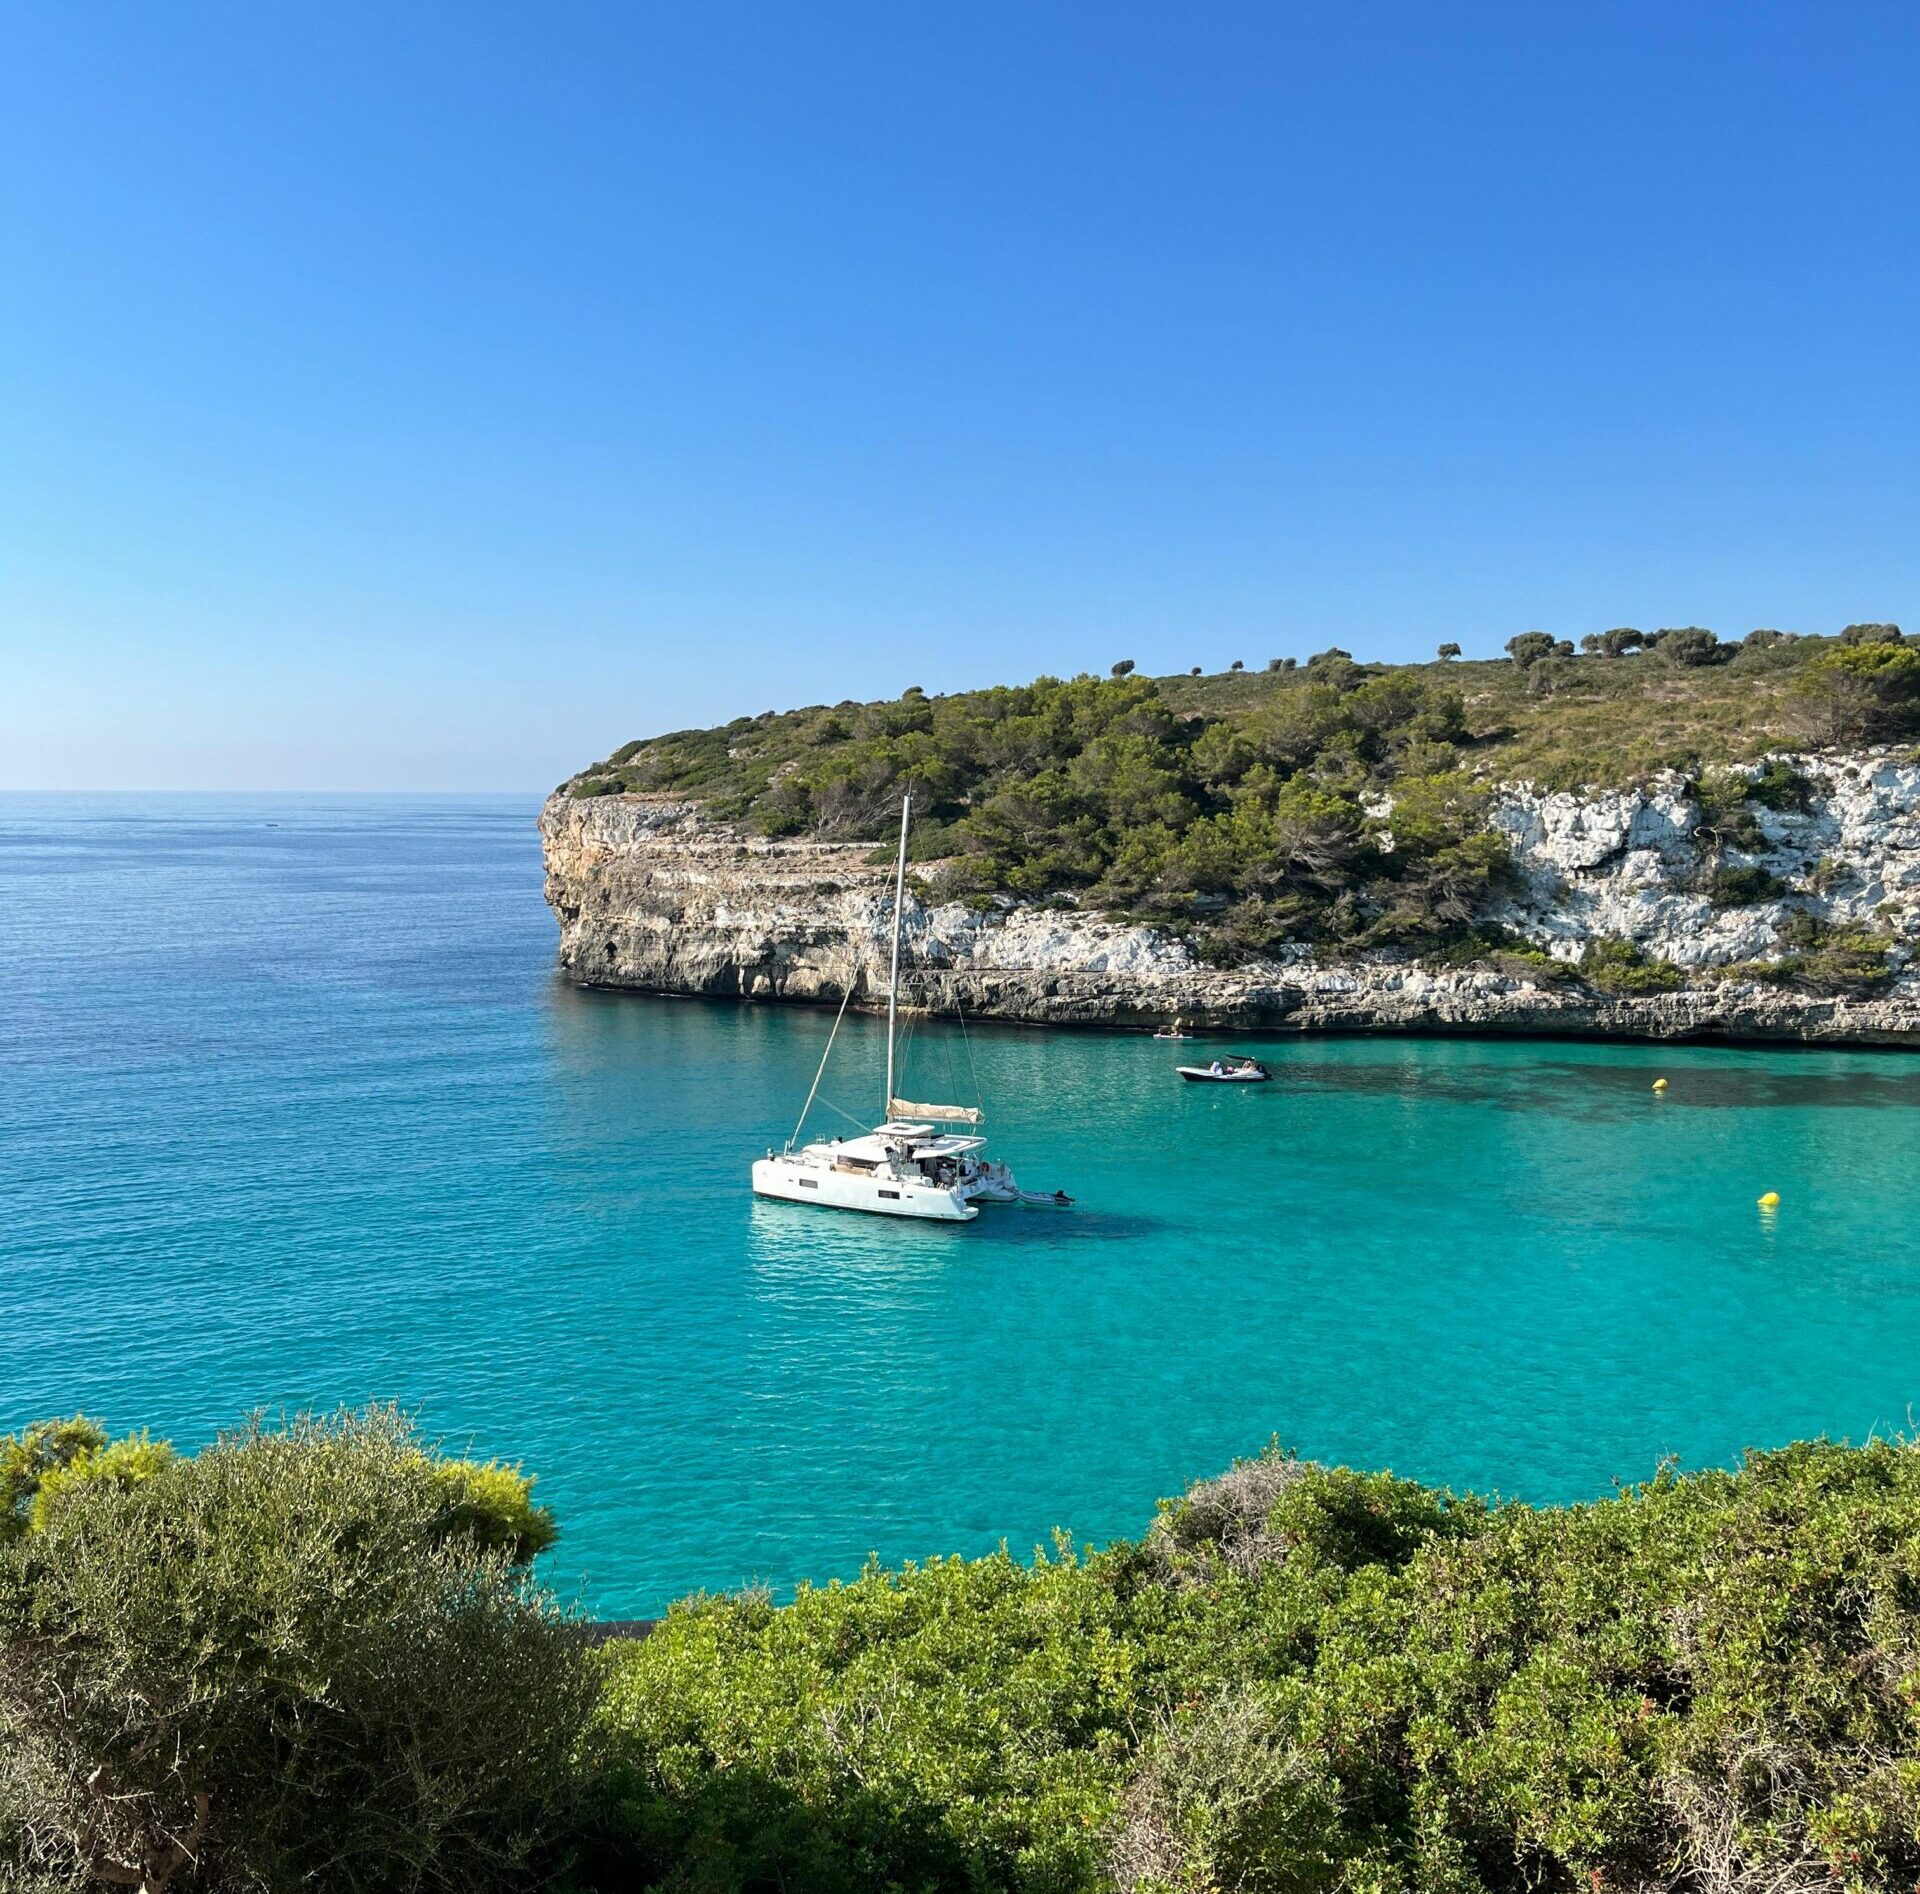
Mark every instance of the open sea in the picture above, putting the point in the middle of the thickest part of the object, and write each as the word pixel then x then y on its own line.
pixel 294 1112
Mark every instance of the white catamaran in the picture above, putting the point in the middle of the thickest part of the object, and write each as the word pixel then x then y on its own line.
pixel 906 1166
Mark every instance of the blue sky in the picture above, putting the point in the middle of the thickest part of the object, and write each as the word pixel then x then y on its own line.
pixel 437 395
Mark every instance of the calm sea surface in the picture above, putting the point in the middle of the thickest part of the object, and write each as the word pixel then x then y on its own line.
pixel 293 1112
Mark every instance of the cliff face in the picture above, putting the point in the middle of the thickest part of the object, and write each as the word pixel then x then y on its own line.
pixel 652 895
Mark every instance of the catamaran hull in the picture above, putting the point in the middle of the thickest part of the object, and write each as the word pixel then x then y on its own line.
pixel 880 1197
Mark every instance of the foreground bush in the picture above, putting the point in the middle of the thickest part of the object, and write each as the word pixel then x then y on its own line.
pixel 304 1658
pixel 1309 1679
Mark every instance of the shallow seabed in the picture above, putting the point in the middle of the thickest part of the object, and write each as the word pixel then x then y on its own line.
pixel 292 1111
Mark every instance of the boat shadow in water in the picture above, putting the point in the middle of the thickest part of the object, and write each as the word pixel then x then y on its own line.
pixel 1022 1223
pixel 795 1232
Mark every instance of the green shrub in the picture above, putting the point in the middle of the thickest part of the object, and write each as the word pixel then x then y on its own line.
pixel 1782 972
pixel 1618 966
pixel 1781 787
pixel 1336 667
pixel 492 1505
pixel 53 1458
pixel 1227 1795
pixel 1835 957
pixel 1743 887
pixel 1863 692
pixel 28 1458
pixel 296 1659
pixel 1311 1678
pixel 1726 820
pixel 1487 944
pixel 953 1725
pixel 1529 647
pixel 1692 645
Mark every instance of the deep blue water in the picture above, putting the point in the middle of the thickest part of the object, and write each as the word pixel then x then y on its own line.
pixel 293 1111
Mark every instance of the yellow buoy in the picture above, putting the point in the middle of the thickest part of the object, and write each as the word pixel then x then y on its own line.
pixel 1771 1201
pixel 1659 1085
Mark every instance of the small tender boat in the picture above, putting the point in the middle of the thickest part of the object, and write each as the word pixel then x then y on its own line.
pixel 1235 1068
pixel 1172 1032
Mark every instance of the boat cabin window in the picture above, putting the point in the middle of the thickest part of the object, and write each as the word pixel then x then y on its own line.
pixel 890 1193
pixel 808 1183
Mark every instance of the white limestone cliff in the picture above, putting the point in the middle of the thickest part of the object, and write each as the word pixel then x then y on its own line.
pixel 651 894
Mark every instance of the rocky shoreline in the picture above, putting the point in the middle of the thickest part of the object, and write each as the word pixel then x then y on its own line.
pixel 652 895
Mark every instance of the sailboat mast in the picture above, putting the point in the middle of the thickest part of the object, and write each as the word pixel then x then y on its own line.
pixel 893 978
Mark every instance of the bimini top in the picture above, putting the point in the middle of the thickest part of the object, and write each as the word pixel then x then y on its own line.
pixel 879 1145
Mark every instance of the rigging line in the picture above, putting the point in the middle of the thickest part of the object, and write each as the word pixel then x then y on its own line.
pixel 822 1072
pixel 910 1026
pixel 966 1039
pixel 899 906
pixel 859 1124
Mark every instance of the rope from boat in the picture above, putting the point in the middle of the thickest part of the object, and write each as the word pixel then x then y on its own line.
pixel 911 1019
pixel 859 1124
pixel 822 1072
pixel 966 1039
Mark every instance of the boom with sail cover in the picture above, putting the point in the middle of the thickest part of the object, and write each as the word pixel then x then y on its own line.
pixel 935 1114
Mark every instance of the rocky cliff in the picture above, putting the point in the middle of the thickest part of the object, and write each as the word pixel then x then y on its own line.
pixel 650 894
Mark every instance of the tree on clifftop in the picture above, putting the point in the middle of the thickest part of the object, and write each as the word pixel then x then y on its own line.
pixel 1692 645
pixel 1859 693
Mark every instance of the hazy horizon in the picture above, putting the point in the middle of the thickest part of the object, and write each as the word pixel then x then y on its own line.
pixel 434 400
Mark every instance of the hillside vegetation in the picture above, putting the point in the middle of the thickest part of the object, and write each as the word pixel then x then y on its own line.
pixel 310 1658
pixel 1332 801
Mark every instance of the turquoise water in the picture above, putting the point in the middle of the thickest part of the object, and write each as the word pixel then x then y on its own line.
pixel 293 1111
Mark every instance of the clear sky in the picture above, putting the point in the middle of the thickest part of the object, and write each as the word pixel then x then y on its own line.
pixel 436 395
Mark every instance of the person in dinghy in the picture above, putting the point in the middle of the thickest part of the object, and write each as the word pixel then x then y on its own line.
pixel 1232 1068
